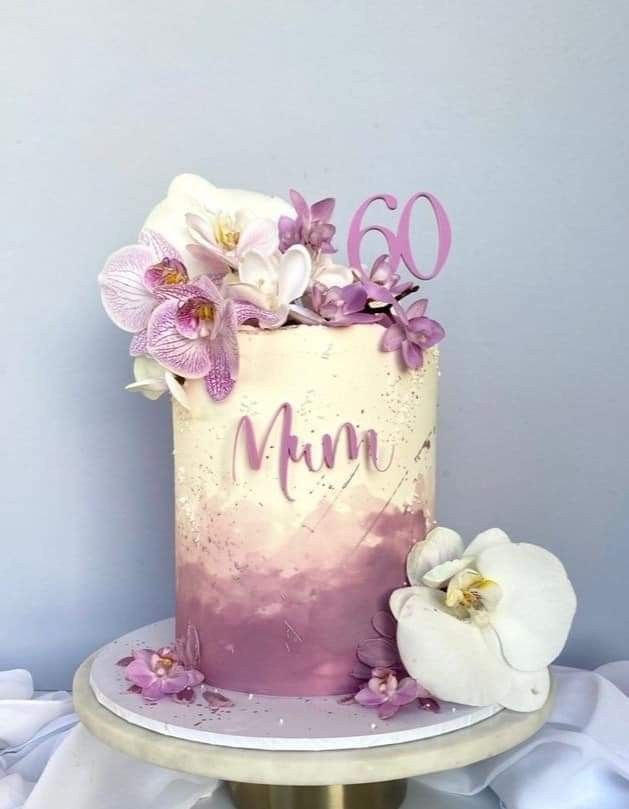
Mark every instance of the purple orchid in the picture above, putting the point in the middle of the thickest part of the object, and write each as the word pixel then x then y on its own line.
pixel 311 227
pixel 159 674
pixel 342 306
pixel 381 283
pixel 388 694
pixel 136 279
pixel 194 336
pixel 411 333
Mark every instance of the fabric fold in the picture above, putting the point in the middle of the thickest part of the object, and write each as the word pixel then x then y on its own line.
pixel 578 760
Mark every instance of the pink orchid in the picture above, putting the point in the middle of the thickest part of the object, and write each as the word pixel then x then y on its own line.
pixel 160 674
pixel 388 694
pixel 194 336
pixel 134 281
pixel 411 333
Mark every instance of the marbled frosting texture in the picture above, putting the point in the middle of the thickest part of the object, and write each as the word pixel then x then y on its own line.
pixel 281 569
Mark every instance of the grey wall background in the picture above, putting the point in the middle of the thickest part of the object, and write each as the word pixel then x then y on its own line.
pixel 515 114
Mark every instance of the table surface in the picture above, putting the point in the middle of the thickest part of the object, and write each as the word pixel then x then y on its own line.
pixel 457 749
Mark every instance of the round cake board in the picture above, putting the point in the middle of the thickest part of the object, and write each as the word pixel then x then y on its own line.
pixel 260 722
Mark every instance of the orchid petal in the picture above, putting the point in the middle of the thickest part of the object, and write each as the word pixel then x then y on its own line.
pixel 183 356
pixel 417 308
pixel 177 390
pixel 139 673
pixel 384 624
pixel 412 355
pixel 125 297
pixel 399 598
pixel 441 545
pixel 257 271
pixel 534 615
pixel 151 388
pixel 137 346
pixel 487 539
pixel 378 653
pixel 260 235
pixel 450 657
pixel 294 273
pixel 265 318
pixel 392 338
pixel 442 574
pixel 323 209
pixel 201 230
pixel 149 378
pixel 388 709
pixel 368 698
pixel 160 247
pixel 213 262
pixel 528 690
pixel 303 315
pixel 407 691
pixel 300 205
pixel 221 377
pixel 333 275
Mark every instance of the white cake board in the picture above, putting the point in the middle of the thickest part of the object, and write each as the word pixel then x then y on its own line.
pixel 258 722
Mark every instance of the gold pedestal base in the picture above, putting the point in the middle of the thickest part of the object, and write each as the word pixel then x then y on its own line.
pixel 380 795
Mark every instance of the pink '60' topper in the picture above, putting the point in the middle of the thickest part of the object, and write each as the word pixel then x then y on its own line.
pixel 399 244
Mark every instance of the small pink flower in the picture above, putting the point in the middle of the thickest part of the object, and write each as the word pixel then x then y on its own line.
pixel 388 694
pixel 311 226
pixel 160 674
pixel 410 332
pixel 381 283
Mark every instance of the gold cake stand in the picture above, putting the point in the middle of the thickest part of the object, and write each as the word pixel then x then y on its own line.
pixel 372 778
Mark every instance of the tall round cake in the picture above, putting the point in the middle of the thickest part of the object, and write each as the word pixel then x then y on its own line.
pixel 304 413
pixel 297 500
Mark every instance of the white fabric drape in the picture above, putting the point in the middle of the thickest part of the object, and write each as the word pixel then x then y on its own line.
pixel 579 760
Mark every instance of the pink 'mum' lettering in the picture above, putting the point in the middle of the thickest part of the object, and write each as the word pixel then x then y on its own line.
pixel 291 450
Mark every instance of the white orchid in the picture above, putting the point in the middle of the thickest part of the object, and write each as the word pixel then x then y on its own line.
pixel 481 625
pixel 212 227
pixel 152 380
pixel 274 282
pixel 329 274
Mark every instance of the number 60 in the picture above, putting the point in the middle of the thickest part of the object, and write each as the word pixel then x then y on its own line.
pixel 399 245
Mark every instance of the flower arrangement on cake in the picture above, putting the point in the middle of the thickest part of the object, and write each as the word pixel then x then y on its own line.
pixel 211 261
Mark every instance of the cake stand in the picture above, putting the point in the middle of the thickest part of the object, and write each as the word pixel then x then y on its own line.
pixel 314 756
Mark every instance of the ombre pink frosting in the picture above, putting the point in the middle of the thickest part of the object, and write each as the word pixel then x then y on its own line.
pixel 296 507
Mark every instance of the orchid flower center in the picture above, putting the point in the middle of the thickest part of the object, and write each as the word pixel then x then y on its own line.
pixel 473 595
pixel 173 271
pixel 204 312
pixel 226 232
pixel 163 666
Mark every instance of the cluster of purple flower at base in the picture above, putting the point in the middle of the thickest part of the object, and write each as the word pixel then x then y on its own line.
pixel 171 672
pixel 384 682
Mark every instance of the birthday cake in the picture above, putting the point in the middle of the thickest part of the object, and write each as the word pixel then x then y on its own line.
pixel 304 395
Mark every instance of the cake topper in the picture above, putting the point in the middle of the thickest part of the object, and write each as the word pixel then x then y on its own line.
pixel 399 243
pixel 211 261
